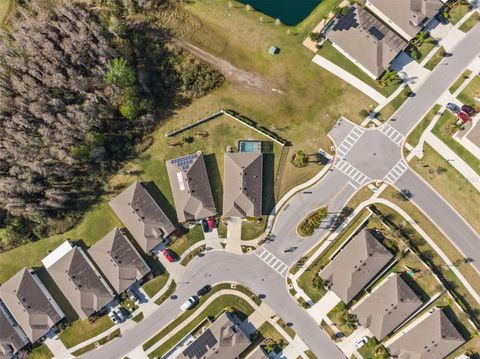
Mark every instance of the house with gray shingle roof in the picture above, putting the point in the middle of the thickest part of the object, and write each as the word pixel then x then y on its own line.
pixel 12 337
pixel 118 260
pixel 365 40
pixel 388 306
pixel 406 17
pixel 221 340
pixel 30 304
pixel 78 279
pixel 191 187
pixel 142 216
pixel 431 336
pixel 242 190
pixel 355 265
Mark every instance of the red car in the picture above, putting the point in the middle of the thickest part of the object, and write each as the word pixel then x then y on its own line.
pixel 463 116
pixel 211 223
pixel 167 254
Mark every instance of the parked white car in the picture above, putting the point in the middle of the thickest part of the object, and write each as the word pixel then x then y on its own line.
pixel 360 343
pixel 189 304
pixel 121 316
pixel 113 317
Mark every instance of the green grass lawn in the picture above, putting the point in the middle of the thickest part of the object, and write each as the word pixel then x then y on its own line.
pixel 214 309
pixel 435 59
pixel 463 77
pixel 337 314
pixel 288 329
pixel 138 318
pixel 330 53
pixel 193 236
pixel 308 280
pixel 6 8
pixel 192 254
pixel 449 183
pixel 153 286
pixel 427 46
pixel 252 230
pixel 458 12
pixel 468 94
pixel 441 131
pixel 470 23
pixel 40 352
pixel 222 229
pixel 387 112
pixel 414 136
pixel 170 290
pixel 101 341
pixel 81 330
pixel 373 350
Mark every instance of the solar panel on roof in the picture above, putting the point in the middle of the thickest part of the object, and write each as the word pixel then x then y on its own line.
pixel 201 345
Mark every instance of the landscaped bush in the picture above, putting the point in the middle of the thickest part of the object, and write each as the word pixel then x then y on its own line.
pixel 300 159
pixel 312 222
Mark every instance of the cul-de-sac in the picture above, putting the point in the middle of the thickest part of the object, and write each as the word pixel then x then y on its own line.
pixel 240 179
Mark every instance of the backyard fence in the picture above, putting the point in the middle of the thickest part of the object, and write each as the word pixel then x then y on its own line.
pixel 237 117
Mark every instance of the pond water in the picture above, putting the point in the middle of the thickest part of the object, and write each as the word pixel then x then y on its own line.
pixel 290 12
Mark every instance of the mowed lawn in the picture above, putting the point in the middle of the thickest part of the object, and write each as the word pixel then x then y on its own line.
pixel 6 7
pixel 450 183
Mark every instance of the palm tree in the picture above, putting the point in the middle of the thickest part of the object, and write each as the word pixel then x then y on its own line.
pixel 120 73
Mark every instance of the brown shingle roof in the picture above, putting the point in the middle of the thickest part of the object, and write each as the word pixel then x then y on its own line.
pixel 221 340
pixel 366 39
pixel 30 304
pixel 433 337
pixel 12 338
pixel 242 191
pixel 355 265
pixel 387 306
pixel 191 187
pixel 80 282
pixel 408 15
pixel 118 260
pixel 142 216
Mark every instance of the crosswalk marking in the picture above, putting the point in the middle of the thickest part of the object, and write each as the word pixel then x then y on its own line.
pixel 356 175
pixel 349 141
pixel 273 262
pixel 392 134
pixel 396 171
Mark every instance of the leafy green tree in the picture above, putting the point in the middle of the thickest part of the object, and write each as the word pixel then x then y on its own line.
pixel 129 104
pixel 120 73
pixel 81 152
pixel 315 36
pixel 300 159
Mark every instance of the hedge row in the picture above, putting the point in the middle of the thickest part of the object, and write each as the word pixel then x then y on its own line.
pixel 312 222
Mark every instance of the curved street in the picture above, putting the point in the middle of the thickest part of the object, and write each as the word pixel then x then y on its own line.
pixel 362 156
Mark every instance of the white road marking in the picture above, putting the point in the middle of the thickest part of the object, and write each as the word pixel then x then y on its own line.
pixel 392 134
pixel 356 175
pixel 273 262
pixel 349 141
pixel 396 171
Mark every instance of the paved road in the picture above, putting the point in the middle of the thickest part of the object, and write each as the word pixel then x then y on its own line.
pixel 362 156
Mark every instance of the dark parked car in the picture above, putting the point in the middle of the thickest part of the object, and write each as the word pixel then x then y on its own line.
pixel 453 108
pixel 463 116
pixel 441 19
pixel 205 225
pixel 469 110
pixel 204 290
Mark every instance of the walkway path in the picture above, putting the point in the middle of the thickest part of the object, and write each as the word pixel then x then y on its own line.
pixel 234 235
pixel 348 77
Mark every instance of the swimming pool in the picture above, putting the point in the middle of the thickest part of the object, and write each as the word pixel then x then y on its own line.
pixel 250 146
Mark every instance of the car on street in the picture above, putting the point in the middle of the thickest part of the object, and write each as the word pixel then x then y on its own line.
pixel 168 255
pixel 453 108
pixel 463 116
pixel 189 304
pixel 204 290
pixel 211 223
pixel 113 317
pixel 205 225
pixel 360 343
pixel 469 110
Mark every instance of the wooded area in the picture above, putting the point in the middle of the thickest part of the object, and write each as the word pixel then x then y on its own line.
pixel 78 89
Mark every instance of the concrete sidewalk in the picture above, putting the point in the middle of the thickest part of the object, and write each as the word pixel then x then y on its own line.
pixel 234 235
pixel 348 77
